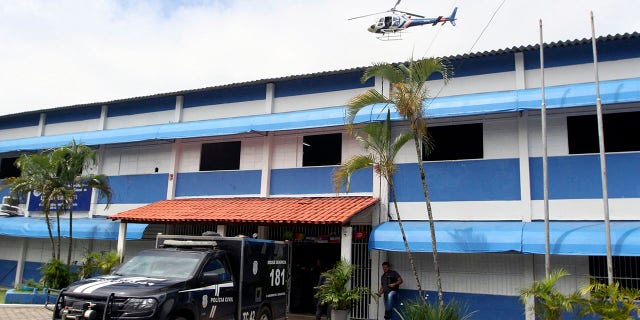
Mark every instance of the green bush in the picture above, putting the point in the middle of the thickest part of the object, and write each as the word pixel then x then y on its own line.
pixel 419 310
pixel 334 291
pixel 56 275
pixel 95 263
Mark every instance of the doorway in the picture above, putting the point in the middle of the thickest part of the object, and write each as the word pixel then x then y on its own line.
pixel 309 260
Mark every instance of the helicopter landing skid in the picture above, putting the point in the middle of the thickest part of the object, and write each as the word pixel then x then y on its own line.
pixel 390 36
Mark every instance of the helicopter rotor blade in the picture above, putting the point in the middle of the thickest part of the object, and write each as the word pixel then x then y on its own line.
pixel 366 15
pixel 411 14
pixel 394 7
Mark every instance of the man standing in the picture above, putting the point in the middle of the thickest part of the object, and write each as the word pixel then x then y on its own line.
pixel 390 285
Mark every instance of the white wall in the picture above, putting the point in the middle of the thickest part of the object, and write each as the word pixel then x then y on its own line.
pixel 70 127
pixel 487 273
pixel 581 73
pixel 18 133
pixel 227 110
pixel 142 119
pixel 313 101
pixel 137 159
pixel 501 81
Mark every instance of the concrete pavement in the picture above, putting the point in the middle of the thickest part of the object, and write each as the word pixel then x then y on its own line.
pixel 24 312
pixel 38 312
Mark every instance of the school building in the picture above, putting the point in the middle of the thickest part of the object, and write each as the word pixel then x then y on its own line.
pixel 256 158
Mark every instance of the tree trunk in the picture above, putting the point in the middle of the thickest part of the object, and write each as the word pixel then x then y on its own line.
pixel 48 221
pixel 406 243
pixel 58 227
pixel 427 199
pixel 70 233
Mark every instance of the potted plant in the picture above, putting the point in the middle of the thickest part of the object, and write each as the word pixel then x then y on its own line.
pixel 335 290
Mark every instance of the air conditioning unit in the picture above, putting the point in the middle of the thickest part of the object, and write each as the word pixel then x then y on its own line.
pixel 10 206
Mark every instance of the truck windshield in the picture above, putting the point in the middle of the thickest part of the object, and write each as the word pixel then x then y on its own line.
pixel 160 265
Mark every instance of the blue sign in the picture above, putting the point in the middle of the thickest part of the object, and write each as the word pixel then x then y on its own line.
pixel 81 201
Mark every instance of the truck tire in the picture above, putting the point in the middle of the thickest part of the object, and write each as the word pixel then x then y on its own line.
pixel 264 314
pixel 179 318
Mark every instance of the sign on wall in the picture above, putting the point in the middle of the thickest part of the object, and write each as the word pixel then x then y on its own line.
pixel 81 201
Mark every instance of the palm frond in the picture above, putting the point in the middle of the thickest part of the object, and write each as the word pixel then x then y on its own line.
pixel 342 174
pixel 357 103
pixel 384 70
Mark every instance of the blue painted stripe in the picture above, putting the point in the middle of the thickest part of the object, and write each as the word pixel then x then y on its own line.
pixel 465 67
pixel 13 122
pixel 145 188
pixel 315 180
pixel 483 306
pixel 578 54
pixel 578 176
pixel 133 107
pixel 470 180
pixel 225 95
pixel 218 183
pixel 321 84
pixel 69 115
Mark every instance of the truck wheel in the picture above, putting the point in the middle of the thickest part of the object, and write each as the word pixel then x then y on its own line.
pixel 179 318
pixel 264 314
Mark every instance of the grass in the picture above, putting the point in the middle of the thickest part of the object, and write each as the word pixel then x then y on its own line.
pixel 3 292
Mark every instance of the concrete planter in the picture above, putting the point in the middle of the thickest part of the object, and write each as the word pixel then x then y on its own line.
pixel 34 297
pixel 340 314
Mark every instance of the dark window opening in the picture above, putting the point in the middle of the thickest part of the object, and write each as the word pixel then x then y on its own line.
pixel 620 133
pixel 322 150
pixel 454 143
pixel 220 156
pixel 626 270
pixel 8 169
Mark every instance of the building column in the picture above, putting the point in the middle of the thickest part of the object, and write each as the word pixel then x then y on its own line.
pixel 122 237
pixel 24 245
pixel 176 151
pixel 345 243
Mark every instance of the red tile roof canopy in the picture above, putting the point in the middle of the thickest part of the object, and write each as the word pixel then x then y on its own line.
pixel 328 210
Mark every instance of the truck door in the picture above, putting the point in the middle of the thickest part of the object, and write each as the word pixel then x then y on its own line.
pixel 219 302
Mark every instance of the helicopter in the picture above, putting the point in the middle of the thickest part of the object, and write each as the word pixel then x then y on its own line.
pixel 397 21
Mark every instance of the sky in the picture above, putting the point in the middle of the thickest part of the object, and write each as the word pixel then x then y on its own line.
pixel 56 53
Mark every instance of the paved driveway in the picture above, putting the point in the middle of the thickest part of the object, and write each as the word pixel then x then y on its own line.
pixel 24 312
pixel 38 312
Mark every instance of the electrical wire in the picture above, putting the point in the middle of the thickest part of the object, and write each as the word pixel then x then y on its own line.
pixel 472 46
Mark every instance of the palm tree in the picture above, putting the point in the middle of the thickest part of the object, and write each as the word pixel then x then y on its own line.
pixel 35 177
pixel 376 140
pixel 55 174
pixel 72 161
pixel 550 304
pixel 610 301
pixel 408 95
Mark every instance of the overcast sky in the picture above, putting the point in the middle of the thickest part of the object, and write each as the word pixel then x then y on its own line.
pixel 60 53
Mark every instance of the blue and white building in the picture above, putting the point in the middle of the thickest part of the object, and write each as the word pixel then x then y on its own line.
pixel 281 139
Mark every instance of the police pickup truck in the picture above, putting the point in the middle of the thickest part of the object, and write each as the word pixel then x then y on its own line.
pixel 188 278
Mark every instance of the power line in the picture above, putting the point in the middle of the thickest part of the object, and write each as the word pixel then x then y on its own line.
pixel 474 44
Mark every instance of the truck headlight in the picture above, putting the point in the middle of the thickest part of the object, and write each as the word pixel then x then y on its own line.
pixel 139 306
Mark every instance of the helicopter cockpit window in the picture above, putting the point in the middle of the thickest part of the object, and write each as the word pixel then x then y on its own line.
pixel 387 21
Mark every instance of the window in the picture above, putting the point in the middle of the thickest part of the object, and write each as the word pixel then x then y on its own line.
pixel 215 267
pixel 620 133
pixel 220 156
pixel 322 150
pixel 8 169
pixel 626 270
pixel 454 142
